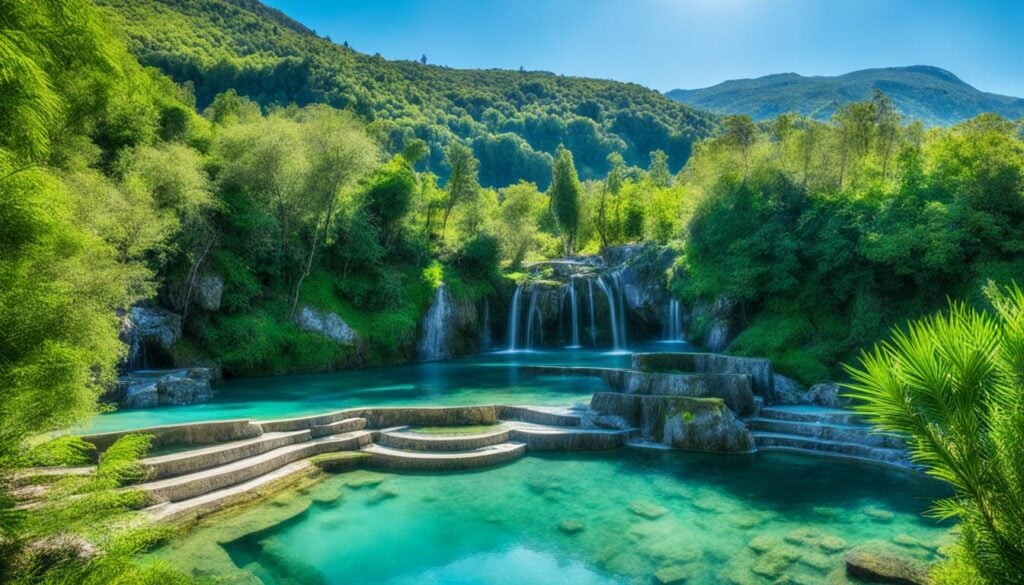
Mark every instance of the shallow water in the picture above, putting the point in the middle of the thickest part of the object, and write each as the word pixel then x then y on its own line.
pixel 491 378
pixel 576 518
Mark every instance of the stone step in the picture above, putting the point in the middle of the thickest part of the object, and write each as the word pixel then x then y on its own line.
pixel 413 441
pixel 201 482
pixel 541 415
pixel 548 438
pixel 388 458
pixel 786 442
pixel 184 462
pixel 861 434
pixel 811 414
pixel 345 425
pixel 214 501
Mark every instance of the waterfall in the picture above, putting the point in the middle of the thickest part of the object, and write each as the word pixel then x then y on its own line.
pixel 575 315
pixel 614 322
pixel 620 297
pixel 485 327
pixel 436 342
pixel 674 321
pixel 529 317
pixel 593 322
pixel 513 319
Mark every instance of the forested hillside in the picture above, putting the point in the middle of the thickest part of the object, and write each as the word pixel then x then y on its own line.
pixel 927 94
pixel 513 120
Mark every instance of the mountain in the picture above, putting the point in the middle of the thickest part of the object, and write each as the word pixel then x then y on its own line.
pixel 929 94
pixel 514 120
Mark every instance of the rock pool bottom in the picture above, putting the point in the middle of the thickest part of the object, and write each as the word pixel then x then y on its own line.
pixel 632 516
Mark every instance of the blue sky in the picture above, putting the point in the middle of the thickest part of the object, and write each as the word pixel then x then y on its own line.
pixel 665 44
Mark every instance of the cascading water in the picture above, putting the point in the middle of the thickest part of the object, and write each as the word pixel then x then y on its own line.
pixel 620 297
pixel 613 321
pixel 593 322
pixel 674 321
pixel 575 315
pixel 513 319
pixel 530 317
pixel 436 342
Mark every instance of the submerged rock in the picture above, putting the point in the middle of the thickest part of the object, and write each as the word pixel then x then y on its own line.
pixel 672 575
pixel 875 563
pixel 571 526
pixel 646 509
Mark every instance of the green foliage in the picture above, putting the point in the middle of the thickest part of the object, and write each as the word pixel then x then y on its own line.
pixel 513 120
pixel 258 343
pixel 954 383
pixel 564 198
pixel 848 226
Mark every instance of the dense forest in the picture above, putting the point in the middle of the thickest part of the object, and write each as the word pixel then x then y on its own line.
pixel 513 120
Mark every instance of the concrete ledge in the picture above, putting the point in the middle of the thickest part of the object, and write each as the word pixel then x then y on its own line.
pixel 709 363
pixel 540 415
pixel 735 389
pixel 394 459
pixel 424 442
pixel 193 509
pixel 548 439
pixel 196 484
pixel 200 459
pixel 200 433
pixel 384 417
pixel 434 416
pixel 345 425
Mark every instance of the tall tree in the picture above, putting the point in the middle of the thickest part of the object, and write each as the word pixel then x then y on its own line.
pixel 609 190
pixel 463 184
pixel 658 173
pixel 741 133
pixel 340 153
pixel 564 193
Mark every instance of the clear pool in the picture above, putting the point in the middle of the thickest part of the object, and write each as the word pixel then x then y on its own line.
pixel 620 517
pixel 491 378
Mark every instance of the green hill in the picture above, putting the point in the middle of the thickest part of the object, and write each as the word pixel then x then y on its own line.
pixel 514 119
pixel 929 94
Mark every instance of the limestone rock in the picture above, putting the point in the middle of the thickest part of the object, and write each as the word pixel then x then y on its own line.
pixel 671 575
pixel 828 394
pixel 646 509
pixel 695 424
pixel 760 370
pixel 571 526
pixel 209 290
pixel 153 388
pixel 140 395
pixel 876 564
pixel 154 325
pixel 329 325
pixel 786 390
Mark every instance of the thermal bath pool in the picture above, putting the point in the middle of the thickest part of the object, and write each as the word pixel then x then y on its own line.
pixel 629 516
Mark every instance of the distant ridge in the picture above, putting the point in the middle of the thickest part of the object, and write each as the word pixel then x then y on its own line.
pixel 932 95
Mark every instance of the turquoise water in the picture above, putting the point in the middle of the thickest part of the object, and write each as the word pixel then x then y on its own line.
pixel 620 517
pixel 491 378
